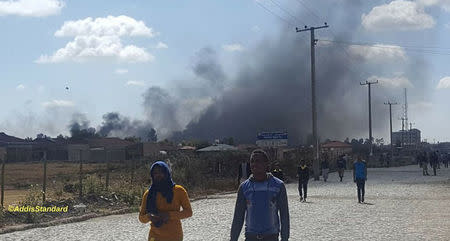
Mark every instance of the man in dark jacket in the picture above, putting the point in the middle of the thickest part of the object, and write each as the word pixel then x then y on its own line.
pixel 341 166
pixel 303 178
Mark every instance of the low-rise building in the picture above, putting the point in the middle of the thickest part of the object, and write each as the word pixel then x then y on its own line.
pixel 336 148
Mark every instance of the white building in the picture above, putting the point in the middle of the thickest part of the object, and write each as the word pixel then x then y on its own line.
pixel 406 138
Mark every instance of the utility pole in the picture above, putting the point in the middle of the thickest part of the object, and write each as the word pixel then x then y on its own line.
pixel 313 96
pixel 3 156
pixel 368 83
pixel 406 109
pixel 403 131
pixel 390 124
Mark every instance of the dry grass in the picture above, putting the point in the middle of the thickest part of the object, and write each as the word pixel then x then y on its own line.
pixel 20 177
pixel 14 196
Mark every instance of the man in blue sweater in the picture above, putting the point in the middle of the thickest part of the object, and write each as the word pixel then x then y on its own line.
pixel 260 199
pixel 360 177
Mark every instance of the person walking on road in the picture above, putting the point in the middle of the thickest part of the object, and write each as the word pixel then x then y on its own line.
pixel 262 203
pixel 434 161
pixel 341 166
pixel 325 167
pixel 424 163
pixel 161 205
pixel 360 177
pixel 303 178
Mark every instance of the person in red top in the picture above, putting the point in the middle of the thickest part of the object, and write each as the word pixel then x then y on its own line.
pixel 161 205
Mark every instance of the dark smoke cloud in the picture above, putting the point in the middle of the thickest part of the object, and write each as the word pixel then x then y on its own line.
pixel 115 125
pixel 206 66
pixel 161 110
pixel 272 90
pixel 80 127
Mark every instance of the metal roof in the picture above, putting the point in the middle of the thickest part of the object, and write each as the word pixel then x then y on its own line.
pixel 218 147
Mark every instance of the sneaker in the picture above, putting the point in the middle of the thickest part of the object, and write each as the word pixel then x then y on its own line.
pixel 301 199
pixel 304 200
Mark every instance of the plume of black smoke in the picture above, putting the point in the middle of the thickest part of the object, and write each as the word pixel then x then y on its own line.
pixel 172 112
pixel 115 125
pixel 80 129
pixel 161 110
pixel 272 92
pixel 206 66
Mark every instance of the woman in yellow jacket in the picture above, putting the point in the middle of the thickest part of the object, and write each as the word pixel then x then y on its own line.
pixel 161 205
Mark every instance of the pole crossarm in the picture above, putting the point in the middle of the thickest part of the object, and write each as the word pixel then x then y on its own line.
pixel 311 28
pixel 391 103
pixel 369 83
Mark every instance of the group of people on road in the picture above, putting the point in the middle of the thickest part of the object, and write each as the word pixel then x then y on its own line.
pixel 261 200
pixel 341 164
pixel 359 175
pixel 432 158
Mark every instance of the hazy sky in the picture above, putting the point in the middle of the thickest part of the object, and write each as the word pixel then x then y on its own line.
pixel 94 57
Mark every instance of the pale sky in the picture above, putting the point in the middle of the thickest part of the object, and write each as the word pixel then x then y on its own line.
pixel 61 57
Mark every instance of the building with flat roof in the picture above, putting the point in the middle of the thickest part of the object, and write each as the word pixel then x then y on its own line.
pixel 406 137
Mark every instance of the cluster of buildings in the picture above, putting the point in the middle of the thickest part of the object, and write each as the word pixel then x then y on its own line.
pixel 94 149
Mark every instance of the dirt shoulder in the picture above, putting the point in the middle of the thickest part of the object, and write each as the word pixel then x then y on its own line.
pixel 91 206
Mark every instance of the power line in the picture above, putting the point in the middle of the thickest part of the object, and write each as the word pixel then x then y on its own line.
pixel 268 10
pixel 307 8
pixel 334 35
pixel 287 12
pixel 290 25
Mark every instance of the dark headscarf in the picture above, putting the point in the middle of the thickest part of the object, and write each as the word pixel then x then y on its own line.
pixel 165 187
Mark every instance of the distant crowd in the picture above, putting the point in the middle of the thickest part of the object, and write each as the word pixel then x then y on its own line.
pixel 433 159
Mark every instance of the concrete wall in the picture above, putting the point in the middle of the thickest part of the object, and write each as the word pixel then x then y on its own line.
pixel 74 152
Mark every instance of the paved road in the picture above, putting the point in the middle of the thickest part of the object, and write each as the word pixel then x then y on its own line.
pixel 402 205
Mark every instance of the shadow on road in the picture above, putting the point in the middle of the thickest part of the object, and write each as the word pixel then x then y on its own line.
pixel 366 203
